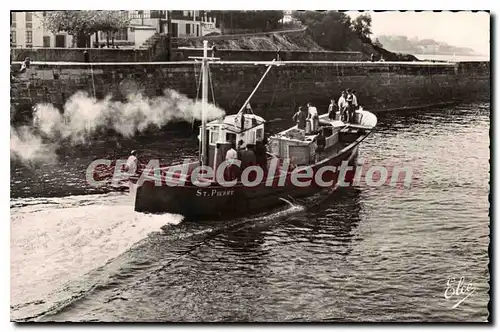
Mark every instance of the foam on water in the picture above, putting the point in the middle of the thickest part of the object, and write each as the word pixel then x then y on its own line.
pixel 60 243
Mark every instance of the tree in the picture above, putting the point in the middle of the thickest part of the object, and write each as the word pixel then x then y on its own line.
pixel 256 20
pixel 83 23
pixel 330 29
pixel 362 26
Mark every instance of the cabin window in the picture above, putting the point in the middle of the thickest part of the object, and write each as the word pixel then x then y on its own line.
pixel 230 137
pixel 214 136
pixel 252 137
pixel 260 134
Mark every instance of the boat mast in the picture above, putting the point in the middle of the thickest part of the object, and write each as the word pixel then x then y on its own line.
pixel 204 100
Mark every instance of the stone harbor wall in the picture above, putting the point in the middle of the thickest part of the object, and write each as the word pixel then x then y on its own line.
pixel 380 85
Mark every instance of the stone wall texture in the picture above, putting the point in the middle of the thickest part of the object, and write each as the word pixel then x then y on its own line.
pixel 160 53
pixel 379 85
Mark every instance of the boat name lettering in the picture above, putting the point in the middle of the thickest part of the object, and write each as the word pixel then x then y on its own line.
pixel 214 192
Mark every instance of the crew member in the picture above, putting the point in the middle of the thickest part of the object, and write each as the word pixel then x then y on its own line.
pixel 231 157
pixel 248 157
pixel 261 155
pixel 332 110
pixel 355 100
pixel 320 140
pixel 300 118
pixel 343 105
pixel 350 106
pixel 132 164
pixel 312 116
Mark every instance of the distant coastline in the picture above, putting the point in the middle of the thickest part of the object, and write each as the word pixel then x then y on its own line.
pixel 452 58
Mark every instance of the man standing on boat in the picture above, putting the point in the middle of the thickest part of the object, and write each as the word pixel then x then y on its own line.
pixel 248 157
pixel 261 155
pixel 132 164
pixel 343 106
pixel 332 110
pixel 231 157
pixel 312 116
pixel 350 106
pixel 354 100
pixel 300 118
pixel 320 140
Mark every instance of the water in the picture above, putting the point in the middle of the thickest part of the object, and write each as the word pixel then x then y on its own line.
pixel 359 254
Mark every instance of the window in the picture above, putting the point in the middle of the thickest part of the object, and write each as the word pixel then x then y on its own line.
pixel 260 134
pixel 214 136
pixel 29 25
pixel 13 38
pixel 188 29
pixel 230 137
pixel 13 20
pixel 60 41
pixel 142 14
pixel 46 41
pixel 197 30
pixel 121 34
pixel 29 16
pixel 29 37
pixel 175 30
pixel 252 136
pixel 157 13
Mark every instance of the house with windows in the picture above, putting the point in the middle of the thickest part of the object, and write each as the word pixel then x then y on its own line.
pixel 27 29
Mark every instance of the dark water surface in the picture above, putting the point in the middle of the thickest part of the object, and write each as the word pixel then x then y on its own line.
pixel 359 254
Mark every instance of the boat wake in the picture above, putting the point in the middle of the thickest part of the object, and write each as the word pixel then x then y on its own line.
pixel 55 241
pixel 82 249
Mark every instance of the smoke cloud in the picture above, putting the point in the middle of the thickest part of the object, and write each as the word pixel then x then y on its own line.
pixel 84 116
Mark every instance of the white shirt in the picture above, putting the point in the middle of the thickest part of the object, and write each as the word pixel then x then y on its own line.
pixel 312 112
pixel 131 165
pixel 342 102
pixel 231 155
pixel 354 100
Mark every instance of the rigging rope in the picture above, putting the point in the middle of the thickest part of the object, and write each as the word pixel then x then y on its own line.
pixel 197 90
pixel 211 85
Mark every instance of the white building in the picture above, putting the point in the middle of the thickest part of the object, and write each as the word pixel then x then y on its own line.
pixel 287 16
pixel 27 31
pixel 27 28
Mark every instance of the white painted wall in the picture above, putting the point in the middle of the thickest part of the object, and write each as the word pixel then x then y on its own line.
pixel 141 34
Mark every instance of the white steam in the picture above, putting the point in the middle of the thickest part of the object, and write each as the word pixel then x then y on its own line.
pixel 85 116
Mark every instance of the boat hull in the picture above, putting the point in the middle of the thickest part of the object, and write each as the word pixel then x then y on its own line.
pixel 216 201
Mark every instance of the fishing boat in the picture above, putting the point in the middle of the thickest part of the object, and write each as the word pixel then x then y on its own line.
pixel 192 190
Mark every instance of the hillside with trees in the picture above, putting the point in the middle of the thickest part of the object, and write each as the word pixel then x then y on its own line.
pixel 244 21
pixel 322 31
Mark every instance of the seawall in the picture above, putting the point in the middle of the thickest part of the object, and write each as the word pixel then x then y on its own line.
pixel 160 53
pixel 379 85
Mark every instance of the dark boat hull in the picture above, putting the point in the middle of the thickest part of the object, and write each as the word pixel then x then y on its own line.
pixel 220 202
